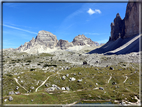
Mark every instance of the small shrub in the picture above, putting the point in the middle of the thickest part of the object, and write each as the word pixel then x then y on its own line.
pixel 84 63
pixel 29 61
pixel 10 75
pixel 32 69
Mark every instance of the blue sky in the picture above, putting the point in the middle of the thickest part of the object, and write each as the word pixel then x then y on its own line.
pixel 22 21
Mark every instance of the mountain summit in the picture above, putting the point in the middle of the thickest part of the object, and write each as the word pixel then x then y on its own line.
pixel 47 42
pixel 124 33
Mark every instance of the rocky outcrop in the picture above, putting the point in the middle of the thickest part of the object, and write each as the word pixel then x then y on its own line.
pixel 81 40
pixel 96 43
pixel 117 28
pixel 46 38
pixel 47 42
pixel 127 27
pixel 63 44
pixel 132 19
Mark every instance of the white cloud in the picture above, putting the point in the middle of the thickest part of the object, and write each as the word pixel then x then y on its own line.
pixel 97 11
pixel 19 29
pixel 90 11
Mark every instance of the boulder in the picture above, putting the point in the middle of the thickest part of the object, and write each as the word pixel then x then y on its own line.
pixel 32 88
pixel 63 77
pixel 113 83
pixel 67 88
pixel 79 73
pixel 10 98
pixel 101 88
pixel 63 88
pixel 17 87
pixel 17 93
pixel 79 80
pixel 11 93
pixel 84 63
pixel 72 79
pixel 111 68
pixel 67 75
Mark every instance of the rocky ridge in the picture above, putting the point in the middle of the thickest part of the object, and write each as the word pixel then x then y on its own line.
pixel 129 26
pixel 64 44
pixel 47 42
pixel 82 40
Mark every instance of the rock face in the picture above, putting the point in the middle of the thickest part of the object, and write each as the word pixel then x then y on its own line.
pixel 63 44
pixel 81 40
pixel 96 43
pixel 117 28
pixel 27 45
pixel 132 19
pixel 127 27
pixel 47 42
pixel 46 38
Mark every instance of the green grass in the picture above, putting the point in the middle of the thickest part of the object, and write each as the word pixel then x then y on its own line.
pixel 89 75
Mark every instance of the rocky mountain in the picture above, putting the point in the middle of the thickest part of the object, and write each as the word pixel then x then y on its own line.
pixel 117 28
pixel 129 26
pixel 46 41
pixel 96 43
pixel 46 38
pixel 124 33
pixel 64 44
pixel 82 40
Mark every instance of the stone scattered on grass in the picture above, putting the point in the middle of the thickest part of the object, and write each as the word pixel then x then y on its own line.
pixel 101 88
pixel 63 77
pixel 84 63
pixel 32 88
pixel 11 93
pixel 67 75
pixel 17 87
pixel 67 88
pixel 79 80
pixel 10 98
pixel 113 83
pixel 63 88
pixel 79 73
pixel 111 68
pixel 5 100
pixel 72 79
pixel 17 93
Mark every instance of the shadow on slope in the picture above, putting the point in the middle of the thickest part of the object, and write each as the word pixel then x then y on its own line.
pixel 119 46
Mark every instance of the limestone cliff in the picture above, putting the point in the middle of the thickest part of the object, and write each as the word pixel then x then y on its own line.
pixel 129 26
pixel 64 44
pixel 81 40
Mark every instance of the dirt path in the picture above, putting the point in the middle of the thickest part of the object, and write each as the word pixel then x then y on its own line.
pixel 45 81
pixel 125 79
pixel 109 79
pixel 20 84
pixel 42 83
